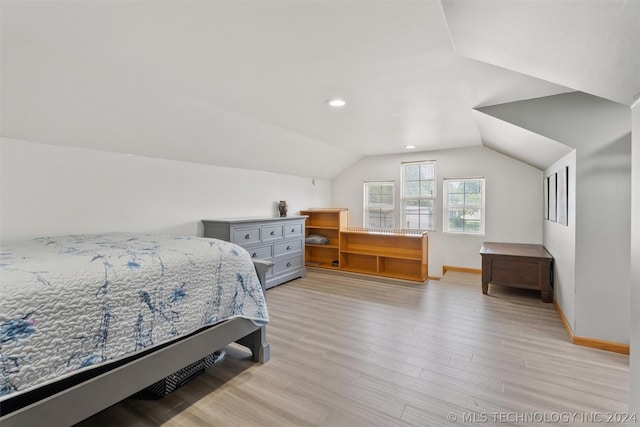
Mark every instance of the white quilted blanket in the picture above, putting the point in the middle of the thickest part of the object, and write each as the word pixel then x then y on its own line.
pixel 69 303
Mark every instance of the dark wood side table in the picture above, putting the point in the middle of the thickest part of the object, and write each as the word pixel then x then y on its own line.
pixel 518 265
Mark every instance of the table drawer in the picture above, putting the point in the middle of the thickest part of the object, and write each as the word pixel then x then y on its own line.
pixel 291 230
pixel 287 264
pixel 291 246
pixel 246 236
pixel 261 252
pixel 271 232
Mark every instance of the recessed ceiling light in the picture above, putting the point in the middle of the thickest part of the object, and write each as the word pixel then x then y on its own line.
pixel 337 102
pixel 409 147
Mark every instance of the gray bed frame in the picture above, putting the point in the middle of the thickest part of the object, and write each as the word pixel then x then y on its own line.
pixel 74 404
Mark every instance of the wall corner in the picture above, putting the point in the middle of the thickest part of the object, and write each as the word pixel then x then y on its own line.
pixel 634 362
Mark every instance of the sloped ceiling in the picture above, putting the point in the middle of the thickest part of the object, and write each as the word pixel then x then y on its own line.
pixel 557 117
pixel 515 141
pixel 245 84
pixel 592 46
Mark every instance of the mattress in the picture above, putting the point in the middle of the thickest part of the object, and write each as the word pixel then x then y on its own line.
pixel 72 303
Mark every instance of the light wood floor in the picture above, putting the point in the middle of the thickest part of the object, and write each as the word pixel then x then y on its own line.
pixel 352 351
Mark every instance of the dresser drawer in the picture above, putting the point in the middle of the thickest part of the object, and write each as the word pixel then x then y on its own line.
pixel 291 246
pixel 246 236
pixel 291 230
pixel 287 264
pixel 266 238
pixel 261 252
pixel 271 232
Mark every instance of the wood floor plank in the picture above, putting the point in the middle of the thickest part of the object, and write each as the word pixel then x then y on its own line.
pixel 348 350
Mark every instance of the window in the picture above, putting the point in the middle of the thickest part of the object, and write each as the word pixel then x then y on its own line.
pixel 464 205
pixel 378 204
pixel 418 195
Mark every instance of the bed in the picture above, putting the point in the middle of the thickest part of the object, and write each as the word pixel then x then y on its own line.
pixel 87 320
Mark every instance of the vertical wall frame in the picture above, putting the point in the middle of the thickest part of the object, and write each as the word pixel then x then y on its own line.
pixel 563 195
pixel 545 197
pixel 553 179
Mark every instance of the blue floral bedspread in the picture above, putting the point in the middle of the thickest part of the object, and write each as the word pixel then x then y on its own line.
pixel 72 302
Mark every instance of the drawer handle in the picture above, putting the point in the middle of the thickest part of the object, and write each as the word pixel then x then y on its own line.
pixel 289 264
pixel 293 230
pixel 247 236
pixel 255 254
pixel 273 233
pixel 288 248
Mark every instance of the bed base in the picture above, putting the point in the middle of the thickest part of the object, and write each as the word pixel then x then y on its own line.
pixel 79 402
pixel 90 397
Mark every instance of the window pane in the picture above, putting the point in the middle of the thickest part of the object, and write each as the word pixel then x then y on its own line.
pixel 412 172
pixel 372 218
pixel 386 200
pixel 418 214
pixel 412 221
pixel 426 220
pixel 426 204
pixel 427 172
pixel 464 206
pixel 379 205
pixel 456 220
pixel 412 205
pixel 426 188
pixel 418 192
pixel 412 189
pixel 472 214
pixel 472 198
pixel 455 187
pixel 472 226
pixel 455 199
pixel 472 186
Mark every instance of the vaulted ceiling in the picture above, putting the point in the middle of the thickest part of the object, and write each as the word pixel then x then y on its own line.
pixel 245 84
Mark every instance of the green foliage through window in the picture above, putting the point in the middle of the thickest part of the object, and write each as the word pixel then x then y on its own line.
pixel 464 205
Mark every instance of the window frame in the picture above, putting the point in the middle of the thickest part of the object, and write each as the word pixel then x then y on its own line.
pixel 404 198
pixel 366 208
pixel 446 206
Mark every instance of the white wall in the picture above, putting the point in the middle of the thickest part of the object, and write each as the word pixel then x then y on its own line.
pixel 634 363
pixel 560 241
pixel 600 131
pixel 603 239
pixel 52 190
pixel 513 199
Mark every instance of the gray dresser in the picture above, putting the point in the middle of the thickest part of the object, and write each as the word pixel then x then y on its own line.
pixel 278 239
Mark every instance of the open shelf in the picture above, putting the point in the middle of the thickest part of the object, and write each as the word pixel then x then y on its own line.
pixel 328 223
pixel 390 245
pixel 402 268
pixel 392 254
pixel 358 262
pixel 322 246
pixel 383 253
pixel 322 265
pixel 324 218
pixel 326 227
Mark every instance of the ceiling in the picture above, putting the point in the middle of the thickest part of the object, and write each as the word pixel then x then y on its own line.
pixel 245 84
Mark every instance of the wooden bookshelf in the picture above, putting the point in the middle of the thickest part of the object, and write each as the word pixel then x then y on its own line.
pixel 398 254
pixel 328 223
pixel 391 253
